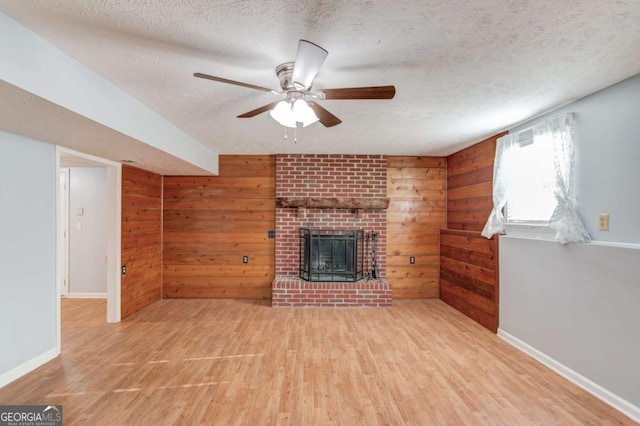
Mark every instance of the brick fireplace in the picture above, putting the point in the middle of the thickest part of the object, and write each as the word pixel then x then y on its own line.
pixel 322 178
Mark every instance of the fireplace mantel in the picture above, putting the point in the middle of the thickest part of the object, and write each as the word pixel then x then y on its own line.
pixel 333 203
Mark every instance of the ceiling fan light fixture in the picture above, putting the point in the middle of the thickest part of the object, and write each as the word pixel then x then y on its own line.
pixel 303 113
pixel 288 114
pixel 283 114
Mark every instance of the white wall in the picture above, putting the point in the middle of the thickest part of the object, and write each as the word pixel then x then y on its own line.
pixel 28 329
pixel 577 307
pixel 578 304
pixel 88 231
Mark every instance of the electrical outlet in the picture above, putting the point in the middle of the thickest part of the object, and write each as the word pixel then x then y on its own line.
pixel 603 222
pixel 245 259
pixel 271 234
pixel 412 260
pixel 124 269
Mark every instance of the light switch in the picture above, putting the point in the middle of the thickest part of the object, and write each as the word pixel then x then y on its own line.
pixel 79 226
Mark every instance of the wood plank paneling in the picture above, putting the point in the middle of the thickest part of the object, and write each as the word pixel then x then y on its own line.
pixel 416 187
pixel 469 275
pixel 141 239
pixel 210 223
pixel 468 261
pixel 469 185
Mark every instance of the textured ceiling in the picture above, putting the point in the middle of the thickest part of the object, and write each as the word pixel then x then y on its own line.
pixel 463 70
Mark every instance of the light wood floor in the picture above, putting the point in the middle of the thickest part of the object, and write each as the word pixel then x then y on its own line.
pixel 241 362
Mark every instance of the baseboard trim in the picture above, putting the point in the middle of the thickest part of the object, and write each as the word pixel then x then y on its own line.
pixel 608 397
pixel 27 367
pixel 87 296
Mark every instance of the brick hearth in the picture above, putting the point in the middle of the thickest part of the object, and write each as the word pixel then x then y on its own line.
pixel 293 291
pixel 327 176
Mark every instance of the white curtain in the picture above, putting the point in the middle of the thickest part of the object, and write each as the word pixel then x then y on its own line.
pixel 564 220
pixel 558 130
pixel 501 166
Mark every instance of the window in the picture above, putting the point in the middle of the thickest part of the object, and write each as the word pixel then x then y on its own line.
pixel 533 180
pixel 530 197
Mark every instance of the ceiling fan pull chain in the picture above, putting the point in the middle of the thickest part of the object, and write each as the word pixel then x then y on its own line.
pixel 295 134
pixel 285 133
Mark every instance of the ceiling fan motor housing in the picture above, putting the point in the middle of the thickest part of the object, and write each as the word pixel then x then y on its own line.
pixel 284 72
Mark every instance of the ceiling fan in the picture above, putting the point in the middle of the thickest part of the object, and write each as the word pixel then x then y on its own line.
pixel 299 104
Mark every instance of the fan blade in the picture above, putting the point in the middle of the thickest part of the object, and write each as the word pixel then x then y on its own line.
pixel 260 110
pixel 373 92
pixel 237 83
pixel 326 118
pixel 309 59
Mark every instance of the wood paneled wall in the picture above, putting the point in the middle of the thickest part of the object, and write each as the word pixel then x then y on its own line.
pixel 469 275
pixel 210 223
pixel 417 189
pixel 141 239
pixel 469 185
pixel 468 261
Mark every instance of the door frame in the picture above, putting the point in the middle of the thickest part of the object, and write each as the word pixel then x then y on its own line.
pixel 64 223
pixel 114 219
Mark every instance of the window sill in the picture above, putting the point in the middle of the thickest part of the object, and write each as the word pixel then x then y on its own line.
pixel 531 231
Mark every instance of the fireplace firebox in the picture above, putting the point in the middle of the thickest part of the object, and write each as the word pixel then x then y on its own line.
pixel 331 255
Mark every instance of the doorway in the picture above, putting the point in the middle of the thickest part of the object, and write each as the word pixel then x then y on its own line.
pixel 67 158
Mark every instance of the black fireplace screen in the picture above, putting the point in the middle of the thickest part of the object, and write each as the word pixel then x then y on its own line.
pixel 331 255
